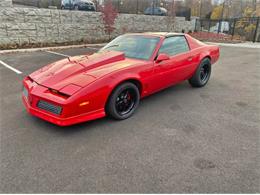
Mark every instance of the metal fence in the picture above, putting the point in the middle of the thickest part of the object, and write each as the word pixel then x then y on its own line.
pixel 245 29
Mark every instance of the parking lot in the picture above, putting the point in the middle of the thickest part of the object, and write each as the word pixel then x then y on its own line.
pixel 180 140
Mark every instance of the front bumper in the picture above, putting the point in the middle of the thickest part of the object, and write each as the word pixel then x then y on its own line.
pixel 53 108
pixel 61 121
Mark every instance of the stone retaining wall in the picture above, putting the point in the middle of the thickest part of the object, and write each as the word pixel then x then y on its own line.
pixel 5 3
pixel 20 26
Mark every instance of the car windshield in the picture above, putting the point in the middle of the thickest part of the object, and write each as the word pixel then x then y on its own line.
pixel 133 46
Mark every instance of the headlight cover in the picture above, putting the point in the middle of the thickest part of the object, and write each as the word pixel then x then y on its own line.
pixel 70 89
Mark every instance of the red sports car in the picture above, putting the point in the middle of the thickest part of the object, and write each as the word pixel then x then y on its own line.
pixel 113 80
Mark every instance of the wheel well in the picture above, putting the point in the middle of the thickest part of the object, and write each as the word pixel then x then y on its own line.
pixel 207 57
pixel 134 81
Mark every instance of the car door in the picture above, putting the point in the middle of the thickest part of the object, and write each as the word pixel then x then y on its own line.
pixel 177 68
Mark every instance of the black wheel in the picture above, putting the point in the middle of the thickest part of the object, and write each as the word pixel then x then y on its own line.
pixel 123 101
pixel 202 74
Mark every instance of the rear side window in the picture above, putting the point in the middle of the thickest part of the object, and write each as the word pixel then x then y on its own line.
pixel 174 45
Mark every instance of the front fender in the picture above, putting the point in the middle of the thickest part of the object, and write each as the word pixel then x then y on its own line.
pixel 98 92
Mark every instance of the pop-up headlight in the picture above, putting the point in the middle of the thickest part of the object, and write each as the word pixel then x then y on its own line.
pixel 70 89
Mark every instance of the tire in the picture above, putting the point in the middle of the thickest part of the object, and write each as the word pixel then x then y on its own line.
pixel 202 74
pixel 123 101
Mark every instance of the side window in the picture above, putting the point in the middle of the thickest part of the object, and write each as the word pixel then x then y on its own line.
pixel 174 45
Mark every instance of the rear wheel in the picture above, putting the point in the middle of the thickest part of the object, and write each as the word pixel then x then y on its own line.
pixel 123 101
pixel 202 74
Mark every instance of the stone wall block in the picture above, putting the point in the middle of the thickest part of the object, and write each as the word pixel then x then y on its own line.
pixel 5 3
pixel 51 30
pixel 66 17
pixel 3 31
pixel 9 41
pixel 11 15
pixel 55 15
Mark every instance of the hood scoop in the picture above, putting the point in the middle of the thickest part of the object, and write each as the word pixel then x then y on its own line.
pixel 100 59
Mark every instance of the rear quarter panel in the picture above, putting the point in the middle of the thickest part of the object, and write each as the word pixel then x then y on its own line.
pixel 203 50
pixel 199 53
pixel 214 53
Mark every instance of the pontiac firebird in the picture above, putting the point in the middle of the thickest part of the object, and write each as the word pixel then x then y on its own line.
pixel 113 80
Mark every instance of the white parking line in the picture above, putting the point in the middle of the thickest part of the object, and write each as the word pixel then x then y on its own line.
pixel 94 48
pixel 10 67
pixel 56 53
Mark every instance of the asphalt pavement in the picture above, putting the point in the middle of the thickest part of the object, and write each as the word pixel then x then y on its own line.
pixel 180 140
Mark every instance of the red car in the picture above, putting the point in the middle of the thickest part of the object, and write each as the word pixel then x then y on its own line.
pixel 113 80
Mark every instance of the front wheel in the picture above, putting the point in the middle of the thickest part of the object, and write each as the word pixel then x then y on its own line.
pixel 202 74
pixel 123 101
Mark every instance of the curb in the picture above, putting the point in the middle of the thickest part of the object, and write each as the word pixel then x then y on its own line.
pixel 242 45
pixel 238 45
pixel 50 48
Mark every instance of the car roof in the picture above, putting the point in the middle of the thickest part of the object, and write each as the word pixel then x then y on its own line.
pixel 159 34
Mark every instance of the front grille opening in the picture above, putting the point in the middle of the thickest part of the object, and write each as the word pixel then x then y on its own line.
pixel 49 107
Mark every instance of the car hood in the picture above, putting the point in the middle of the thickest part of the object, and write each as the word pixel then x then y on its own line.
pixel 81 70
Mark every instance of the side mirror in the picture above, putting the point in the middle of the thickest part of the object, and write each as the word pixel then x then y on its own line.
pixel 162 57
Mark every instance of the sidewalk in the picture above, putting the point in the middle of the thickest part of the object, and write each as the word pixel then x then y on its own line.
pixel 244 45
pixel 52 48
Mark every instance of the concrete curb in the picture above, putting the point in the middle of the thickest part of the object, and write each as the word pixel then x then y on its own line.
pixel 241 45
pixel 50 48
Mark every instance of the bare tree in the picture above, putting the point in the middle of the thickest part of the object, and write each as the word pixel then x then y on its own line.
pixel 171 15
